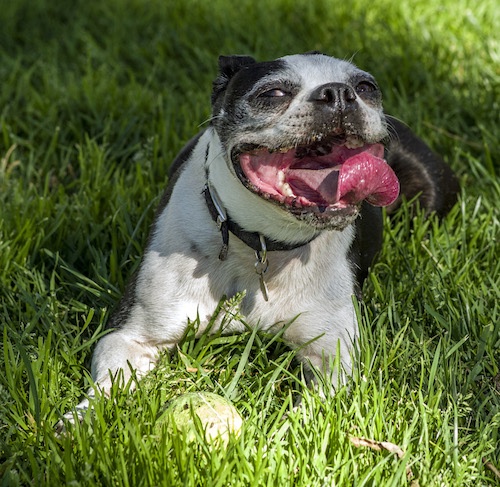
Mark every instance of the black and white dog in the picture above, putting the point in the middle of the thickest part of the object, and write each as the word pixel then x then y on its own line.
pixel 278 198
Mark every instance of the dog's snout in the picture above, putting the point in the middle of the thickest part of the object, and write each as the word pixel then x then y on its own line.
pixel 335 94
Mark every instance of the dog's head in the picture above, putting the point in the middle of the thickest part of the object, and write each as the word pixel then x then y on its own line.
pixel 305 132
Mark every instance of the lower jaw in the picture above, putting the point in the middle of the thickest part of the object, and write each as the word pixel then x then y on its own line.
pixel 331 217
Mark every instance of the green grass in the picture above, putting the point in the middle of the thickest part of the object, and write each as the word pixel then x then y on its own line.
pixel 96 99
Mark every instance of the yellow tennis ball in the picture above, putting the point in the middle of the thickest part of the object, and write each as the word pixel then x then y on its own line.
pixel 218 417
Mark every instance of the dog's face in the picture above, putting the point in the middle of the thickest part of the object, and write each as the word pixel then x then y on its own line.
pixel 305 132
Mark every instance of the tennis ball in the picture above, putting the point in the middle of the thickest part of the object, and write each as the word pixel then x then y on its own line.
pixel 218 416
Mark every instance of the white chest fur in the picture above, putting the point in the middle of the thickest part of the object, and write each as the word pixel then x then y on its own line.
pixel 182 278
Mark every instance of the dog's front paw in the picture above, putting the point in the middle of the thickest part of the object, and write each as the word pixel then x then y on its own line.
pixel 72 417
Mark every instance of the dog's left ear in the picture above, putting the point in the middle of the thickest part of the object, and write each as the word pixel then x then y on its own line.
pixel 228 67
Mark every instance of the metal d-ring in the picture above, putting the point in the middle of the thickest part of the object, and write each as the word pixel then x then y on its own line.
pixel 261 265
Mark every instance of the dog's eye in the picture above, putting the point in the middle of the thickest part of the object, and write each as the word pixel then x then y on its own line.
pixel 274 93
pixel 365 87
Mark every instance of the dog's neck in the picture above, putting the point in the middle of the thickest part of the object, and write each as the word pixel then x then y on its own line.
pixel 255 240
pixel 249 215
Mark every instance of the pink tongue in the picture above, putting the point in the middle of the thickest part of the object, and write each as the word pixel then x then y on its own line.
pixel 361 177
pixel 367 177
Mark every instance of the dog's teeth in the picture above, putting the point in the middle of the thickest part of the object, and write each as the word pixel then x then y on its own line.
pixel 354 142
pixel 283 186
pixel 287 190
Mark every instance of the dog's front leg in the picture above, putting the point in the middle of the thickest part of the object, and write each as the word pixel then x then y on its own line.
pixel 117 357
pixel 326 351
pixel 325 370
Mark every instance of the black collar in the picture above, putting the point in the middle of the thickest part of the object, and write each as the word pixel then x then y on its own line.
pixel 252 239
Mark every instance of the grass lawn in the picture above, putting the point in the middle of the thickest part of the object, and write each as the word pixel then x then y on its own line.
pixel 96 98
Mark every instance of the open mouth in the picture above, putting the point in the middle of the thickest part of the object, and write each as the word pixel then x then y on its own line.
pixel 326 177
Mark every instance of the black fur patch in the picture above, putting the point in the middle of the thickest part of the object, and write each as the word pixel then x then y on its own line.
pixel 420 171
pixel 239 80
pixel 366 244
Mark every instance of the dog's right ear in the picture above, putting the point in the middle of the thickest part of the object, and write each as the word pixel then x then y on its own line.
pixel 228 67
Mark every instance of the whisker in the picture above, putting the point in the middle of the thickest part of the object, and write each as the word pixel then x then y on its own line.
pixel 209 120
pixel 351 59
pixel 393 134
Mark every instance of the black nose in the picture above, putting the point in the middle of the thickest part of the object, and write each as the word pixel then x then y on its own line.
pixel 336 94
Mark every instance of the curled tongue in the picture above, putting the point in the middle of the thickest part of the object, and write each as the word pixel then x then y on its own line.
pixel 367 177
pixel 361 177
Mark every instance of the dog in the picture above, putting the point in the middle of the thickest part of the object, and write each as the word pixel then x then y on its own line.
pixel 278 198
